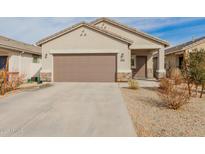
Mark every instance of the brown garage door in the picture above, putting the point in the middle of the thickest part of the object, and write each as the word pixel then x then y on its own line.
pixel 85 68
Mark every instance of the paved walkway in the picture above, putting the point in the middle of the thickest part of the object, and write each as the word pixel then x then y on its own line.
pixel 66 109
pixel 142 83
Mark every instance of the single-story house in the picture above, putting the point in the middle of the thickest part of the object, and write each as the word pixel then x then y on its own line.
pixel 103 50
pixel 174 56
pixel 20 58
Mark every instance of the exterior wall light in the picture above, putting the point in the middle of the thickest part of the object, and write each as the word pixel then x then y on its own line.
pixel 122 57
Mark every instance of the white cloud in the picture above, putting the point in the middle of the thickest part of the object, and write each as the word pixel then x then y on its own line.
pixel 153 22
pixel 181 35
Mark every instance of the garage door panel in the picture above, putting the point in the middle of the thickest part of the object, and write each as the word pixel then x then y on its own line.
pixel 85 68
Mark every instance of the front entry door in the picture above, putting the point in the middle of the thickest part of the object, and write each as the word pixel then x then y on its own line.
pixel 141 67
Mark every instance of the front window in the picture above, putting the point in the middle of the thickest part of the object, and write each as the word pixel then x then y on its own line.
pixel 3 62
pixel 181 60
pixel 35 59
pixel 133 61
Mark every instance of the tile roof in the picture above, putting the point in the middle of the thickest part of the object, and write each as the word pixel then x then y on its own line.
pixel 15 45
pixel 185 45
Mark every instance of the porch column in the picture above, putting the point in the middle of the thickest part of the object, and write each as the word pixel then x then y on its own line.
pixel 161 70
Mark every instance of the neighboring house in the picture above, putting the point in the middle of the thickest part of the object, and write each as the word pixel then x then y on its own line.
pixel 174 55
pixel 103 50
pixel 20 58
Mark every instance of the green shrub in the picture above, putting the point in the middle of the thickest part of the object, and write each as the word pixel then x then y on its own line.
pixel 194 69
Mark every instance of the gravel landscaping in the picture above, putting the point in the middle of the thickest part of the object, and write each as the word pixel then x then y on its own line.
pixel 152 118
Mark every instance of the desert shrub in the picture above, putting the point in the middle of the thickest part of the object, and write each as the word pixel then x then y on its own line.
pixel 133 84
pixel 173 95
pixel 176 75
pixel 15 80
pixel 163 84
pixel 3 83
pixel 10 81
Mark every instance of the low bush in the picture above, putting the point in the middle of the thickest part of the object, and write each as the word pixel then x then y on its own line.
pixel 174 95
pixel 163 85
pixel 15 81
pixel 133 84
pixel 176 75
pixel 10 81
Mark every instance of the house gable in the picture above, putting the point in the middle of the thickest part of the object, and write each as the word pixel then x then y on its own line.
pixel 84 38
pixel 139 40
pixel 70 29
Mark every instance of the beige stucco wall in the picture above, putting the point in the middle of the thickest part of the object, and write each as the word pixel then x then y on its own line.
pixel 14 63
pixel 29 68
pixel 139 41
pixel 172 60
pixel 86 40
pixel 22 63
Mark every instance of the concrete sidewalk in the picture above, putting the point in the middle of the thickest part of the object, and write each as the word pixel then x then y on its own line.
pixel 142 83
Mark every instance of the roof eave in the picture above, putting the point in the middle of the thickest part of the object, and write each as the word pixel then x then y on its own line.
pixel 18 49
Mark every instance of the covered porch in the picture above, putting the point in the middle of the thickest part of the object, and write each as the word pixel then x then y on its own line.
pixel 142 64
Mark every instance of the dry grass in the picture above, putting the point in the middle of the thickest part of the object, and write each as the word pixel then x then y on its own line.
pixel 10 81
pixel 152 118
pixel 25 87
pixel 173 93
pixel 133 84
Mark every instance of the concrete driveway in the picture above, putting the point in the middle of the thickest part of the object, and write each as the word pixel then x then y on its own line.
pixel 66 109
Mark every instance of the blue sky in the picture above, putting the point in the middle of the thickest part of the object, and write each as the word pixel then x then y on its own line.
pixel 174 30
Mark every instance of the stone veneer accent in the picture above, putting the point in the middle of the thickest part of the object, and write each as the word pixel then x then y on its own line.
pixel 123 76
pixel 160 75
pixel 46 76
